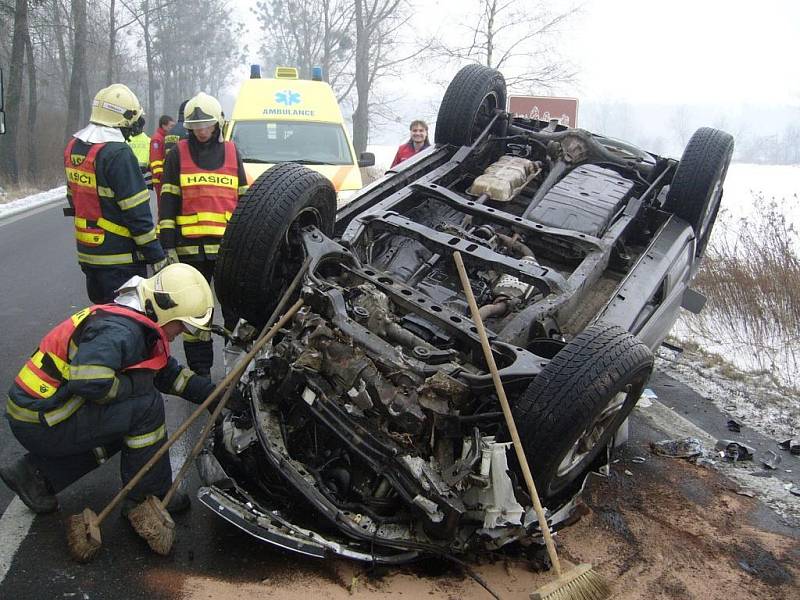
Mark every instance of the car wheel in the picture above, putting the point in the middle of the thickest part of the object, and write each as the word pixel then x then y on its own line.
pixel 696 189
pixel 469 104
pixel 568 414
pixel 261 251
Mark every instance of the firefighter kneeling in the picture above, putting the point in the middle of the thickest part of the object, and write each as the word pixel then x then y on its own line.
pixel 93 388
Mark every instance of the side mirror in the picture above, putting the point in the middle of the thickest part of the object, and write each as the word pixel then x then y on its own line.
pixel 367 159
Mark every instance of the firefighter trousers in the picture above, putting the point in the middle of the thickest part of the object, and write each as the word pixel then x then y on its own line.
pixel 69 450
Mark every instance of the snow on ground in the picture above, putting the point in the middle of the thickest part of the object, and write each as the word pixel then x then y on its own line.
pixel 21 205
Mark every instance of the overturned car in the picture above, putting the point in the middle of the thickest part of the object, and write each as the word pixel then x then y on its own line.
pixel 369 427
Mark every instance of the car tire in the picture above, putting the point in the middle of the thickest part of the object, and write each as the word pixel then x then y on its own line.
pixel 259 254
pixel 571 410
pixel 468 104
pixel 696 189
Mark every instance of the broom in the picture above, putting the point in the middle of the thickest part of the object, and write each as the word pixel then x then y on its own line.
pixel 581 582
pixel 83 530
pixel 150 519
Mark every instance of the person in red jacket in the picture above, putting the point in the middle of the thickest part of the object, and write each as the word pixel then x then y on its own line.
pixel 417 142
pixel 165 125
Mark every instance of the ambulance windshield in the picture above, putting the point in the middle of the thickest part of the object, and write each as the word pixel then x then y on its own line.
pixel 292 141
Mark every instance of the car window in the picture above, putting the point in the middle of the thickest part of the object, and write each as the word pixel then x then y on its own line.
pixel 288 141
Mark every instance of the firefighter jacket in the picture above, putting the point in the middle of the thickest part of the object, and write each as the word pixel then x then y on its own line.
pixel 157 159
pixel 103 354
pixel 177 134
pixel 140 144
pixel 110 204
pixel 202 185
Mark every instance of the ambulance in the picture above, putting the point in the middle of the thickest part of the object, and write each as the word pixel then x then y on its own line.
pixel 288 119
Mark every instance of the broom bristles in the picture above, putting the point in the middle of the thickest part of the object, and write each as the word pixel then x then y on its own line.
pixel 580 583
pixel 82 547
pixel 153 523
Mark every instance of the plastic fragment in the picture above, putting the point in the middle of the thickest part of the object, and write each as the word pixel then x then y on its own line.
pixel 734 426
pixel 734 451
pixel 791 445
pixel 638 460
pixel 770 459
pixel 681 448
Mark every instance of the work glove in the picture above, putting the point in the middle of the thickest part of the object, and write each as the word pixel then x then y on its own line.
pixel 171 257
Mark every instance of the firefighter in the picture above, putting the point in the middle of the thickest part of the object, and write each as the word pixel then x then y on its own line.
pixel 178 131
pixel 108 198
pixel 203 181
pixel 165 125
pixel 139 142
pixel 93 388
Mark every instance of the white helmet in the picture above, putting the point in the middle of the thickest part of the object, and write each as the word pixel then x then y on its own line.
pixel 116 106
pixel 202 111
pixel 177 292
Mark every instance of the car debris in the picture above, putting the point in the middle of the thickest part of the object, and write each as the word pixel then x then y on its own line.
pixel 794 490
pixel 791 445
pixel 734 426
pixel 687 447
pixel 734 451
pixel 771 459
pixel 646 399
pixel 369 428
pixel 638 460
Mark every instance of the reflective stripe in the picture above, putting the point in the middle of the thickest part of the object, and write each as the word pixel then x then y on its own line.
pixel 192 339
pixel 211 248
pixel 42 388
pixel 203 216
pixel 51 417
pixel 62 366
pixel 112 392
pixel 19 413
pixel 89 238
pixel 83 372
pixel 169 188
pixel 105 259
pixel 188 249
pixel 146 439
pixel 113 227
pixel 167 224
pixel 182 380
pixel 243 189
pixel 213 230
pixel 105 192
pixel 135 200
pixel 54 417
pixel 145 238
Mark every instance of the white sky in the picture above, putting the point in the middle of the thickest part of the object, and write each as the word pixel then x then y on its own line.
pixel 714 53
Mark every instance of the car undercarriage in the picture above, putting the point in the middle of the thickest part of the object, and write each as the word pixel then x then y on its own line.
pixel 369 426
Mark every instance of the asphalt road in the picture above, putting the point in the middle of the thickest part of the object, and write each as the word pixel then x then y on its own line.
pixel 41 285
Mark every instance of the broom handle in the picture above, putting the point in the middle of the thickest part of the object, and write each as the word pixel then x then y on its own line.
pixel 512 428
pixel 218 409
pixel 236 372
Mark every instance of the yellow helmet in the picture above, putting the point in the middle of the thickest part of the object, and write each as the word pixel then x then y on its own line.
pixel 116 106
pixel 202 111
pixel 177 292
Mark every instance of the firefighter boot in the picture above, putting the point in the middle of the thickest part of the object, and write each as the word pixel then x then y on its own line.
pixel 30 485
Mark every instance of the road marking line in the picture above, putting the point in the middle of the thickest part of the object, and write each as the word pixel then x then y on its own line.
pixel 14 526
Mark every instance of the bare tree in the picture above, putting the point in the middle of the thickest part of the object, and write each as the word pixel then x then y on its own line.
pixel 516 38
pixel 378 55
pixel 78 85
pixel 10 167
pixel 310 34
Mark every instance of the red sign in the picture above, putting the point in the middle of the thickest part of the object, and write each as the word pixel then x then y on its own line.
pixel 545 108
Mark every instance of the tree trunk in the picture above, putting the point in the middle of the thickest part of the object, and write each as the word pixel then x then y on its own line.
pixel 8 156
pixel 58 30
pixel 32 162
pixel 78 77
pixel 151 76
pixel 361 113
pixel 112 41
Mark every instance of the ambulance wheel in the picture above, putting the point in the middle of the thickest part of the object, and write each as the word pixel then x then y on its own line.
pixel 469 104
pixel 261 251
